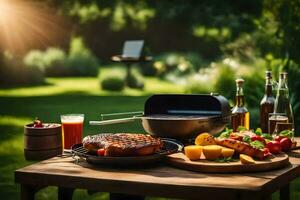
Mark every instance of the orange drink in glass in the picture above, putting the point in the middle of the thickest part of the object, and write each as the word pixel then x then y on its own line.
pixel 72 128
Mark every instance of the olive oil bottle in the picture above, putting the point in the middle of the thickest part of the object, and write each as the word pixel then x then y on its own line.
pixel 240 114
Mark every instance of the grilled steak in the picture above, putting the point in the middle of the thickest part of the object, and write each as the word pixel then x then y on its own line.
pixel 241 147
pixel 123 144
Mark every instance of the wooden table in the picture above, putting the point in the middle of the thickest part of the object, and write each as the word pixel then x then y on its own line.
pixel 161 180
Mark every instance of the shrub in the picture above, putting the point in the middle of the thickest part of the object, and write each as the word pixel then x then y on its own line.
pixel 135 80
pixel 114 82
pixel 254 88
pixel 199 84
pixel 148 69
pixel 293 70
pixel 14 73
pixel 55 62
pixel 34 58
pixel 196 60
pixel 179 64
pixel 225 82
pixel 81 62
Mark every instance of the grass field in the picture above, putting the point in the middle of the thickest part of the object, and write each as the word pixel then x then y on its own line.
pixel 20 106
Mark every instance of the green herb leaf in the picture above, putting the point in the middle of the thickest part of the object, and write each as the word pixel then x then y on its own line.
pixel 258 131
pixel 226 133
pixel 257 144
pixel 226 160
pixel 241 128
pixel 287 133
pixel 247 139
pixel 267 136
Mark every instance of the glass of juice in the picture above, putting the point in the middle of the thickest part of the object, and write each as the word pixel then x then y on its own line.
pixel 72 128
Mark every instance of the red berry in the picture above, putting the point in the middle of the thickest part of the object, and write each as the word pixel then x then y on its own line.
pixel 37 123
pixel 101 152
pixel 286 144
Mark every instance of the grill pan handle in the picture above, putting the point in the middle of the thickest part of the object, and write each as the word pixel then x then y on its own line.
pixel 114 121
pixel 135 115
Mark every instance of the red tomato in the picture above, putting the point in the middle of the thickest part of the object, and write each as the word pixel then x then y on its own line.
pixel 100 152
pixel 266 152
pixel 274 147
pixel 279 138
pixel 286 144
pixel 261 139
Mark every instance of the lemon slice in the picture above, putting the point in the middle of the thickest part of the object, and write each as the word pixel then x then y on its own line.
pixel 245 159
pixel 212 152
pixel 205 139
pixel 227 152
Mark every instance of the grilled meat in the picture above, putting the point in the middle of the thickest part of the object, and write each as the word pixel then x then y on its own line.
pixel 123 144
pixel 241 147
pixel 240 135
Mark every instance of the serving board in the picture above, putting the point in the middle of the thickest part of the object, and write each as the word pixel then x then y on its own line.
pixel 179 160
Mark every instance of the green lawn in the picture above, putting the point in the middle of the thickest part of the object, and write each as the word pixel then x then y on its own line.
pixel 68 95
pixel 91 86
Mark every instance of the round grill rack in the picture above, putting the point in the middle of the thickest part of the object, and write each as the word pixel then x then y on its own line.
pixel 169 146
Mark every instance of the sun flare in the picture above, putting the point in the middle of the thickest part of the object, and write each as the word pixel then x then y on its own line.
pixel 27 24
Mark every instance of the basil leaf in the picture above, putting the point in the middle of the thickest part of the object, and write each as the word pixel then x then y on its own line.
pixel 267 136
pixel 258 131
pixel 247 139
pixel 223 160
pixel 224 135
pixel 241 128
pixel 287 133
pixel 257 144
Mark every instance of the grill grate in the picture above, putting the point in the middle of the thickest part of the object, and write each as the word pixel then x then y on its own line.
pixel 169 146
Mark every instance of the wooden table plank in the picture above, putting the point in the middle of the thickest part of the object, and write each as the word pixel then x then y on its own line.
pixel 157 181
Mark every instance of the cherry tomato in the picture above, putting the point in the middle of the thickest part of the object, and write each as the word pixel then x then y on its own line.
pixel 274 147
pixel 100 152
pixel 286 144
pixel 259 138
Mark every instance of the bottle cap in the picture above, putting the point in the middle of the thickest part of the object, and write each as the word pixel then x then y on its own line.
pixel 268 74
pixel 239 82
pixel 283 75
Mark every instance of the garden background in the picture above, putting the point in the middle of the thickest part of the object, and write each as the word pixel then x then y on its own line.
pixel 55 59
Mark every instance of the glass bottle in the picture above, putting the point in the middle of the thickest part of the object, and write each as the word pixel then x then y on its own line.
pixel 267 103
pixel 282 117
pixel 240 114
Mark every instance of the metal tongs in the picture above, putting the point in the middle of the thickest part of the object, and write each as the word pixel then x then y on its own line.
pixel 134 116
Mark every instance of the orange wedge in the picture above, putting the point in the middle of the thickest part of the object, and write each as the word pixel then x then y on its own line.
pixel 193 152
